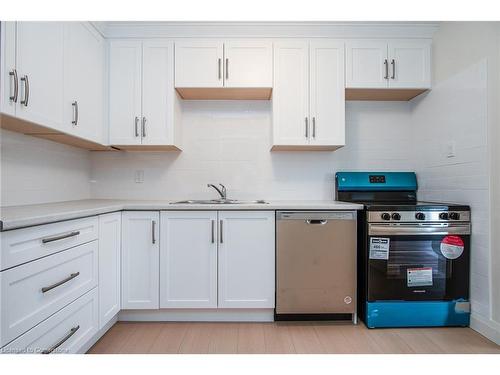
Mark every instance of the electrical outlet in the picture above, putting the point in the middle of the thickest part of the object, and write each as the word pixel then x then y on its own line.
pixel 450 149
pixel 139 177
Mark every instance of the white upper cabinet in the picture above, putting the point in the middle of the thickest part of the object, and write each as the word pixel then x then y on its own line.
pixel 327 93
pixel 39 64
pixel 9 87
pixel 224 70
pixel 248 64
pixel 199 64
pixel 140 260
pixel 84 81
pixel 308 95
pixel 246 259
pixel 125 60
pixel 409 64
pixel 141 93
pixel 402 64
pixel 291 93
pixel 188 259
pixel 157 93
pixel 366 63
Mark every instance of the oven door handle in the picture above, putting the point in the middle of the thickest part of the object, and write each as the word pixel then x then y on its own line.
pixel 417 230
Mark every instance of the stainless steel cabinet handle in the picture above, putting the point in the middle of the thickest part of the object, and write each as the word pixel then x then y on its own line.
pixel 386 69
pixel 62 341
pixel 13 76
pixel 153 232
pixel 314 128
pixel 227 68
pixel 26 90
pixel 393 63
pixel 45 289
pixel 61 237
pixel 136 124
pixel 220 69
pixel 213 231
pixel 75 113
pixel 221 233
pixel 144 126
pixel 307 127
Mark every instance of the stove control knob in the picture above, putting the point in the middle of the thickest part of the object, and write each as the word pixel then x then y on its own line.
pixel 443 215
pixel 385 216
pixel 454 216
pixel 420 216
pixel 396 216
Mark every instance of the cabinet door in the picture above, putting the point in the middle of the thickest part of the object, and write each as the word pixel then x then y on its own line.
pixel 366 62
pixel 157 93
pixel 246 259
pixel 327 93
pixel 188 270
pixel 291 93
pixel 248 64
pixel 8 68
pixel 84 81
pixel 140 260
pixel 125 60
pixel 198 64
pixel 110 232
pixel 40 59
pixel 410 64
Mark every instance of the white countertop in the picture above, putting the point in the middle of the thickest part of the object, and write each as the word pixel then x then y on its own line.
pixel 23 216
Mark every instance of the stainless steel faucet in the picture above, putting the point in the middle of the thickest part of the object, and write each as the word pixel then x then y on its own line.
pixel 221 191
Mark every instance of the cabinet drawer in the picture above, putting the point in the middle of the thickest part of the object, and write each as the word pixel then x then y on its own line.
pixel 33 291
pixel 24 245
pixel 64 332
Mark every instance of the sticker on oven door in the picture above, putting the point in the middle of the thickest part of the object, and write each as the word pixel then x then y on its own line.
pixel 452 247
pixel 379 248
pixel 419 276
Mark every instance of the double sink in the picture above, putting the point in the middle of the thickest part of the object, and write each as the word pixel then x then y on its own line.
pixel 221 189
pixel 219 201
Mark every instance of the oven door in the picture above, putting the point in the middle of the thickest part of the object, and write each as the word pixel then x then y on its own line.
pixel 414 261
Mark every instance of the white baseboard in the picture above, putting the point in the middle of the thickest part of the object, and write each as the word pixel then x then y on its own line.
pixel 488 328
pixel 198 315
pixel 98 335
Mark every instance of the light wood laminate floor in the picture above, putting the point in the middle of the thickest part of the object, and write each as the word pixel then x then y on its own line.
pixel 284 338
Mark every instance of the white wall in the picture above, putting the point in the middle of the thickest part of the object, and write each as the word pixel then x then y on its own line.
pixel 229 142
pixel 455 111
pixel 35 171
pixel 462 107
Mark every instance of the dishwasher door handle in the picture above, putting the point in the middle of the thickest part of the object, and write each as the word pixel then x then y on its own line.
pixel 316 222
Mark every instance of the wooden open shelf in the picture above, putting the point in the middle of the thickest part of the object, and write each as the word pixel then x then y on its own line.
pixel 29 128
pixel 383 94
pixel 225 93
pixel 304 148
pixel 153 148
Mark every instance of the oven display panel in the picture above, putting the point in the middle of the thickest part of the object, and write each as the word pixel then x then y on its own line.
pixel 377 179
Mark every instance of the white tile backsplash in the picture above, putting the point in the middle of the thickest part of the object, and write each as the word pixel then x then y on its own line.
pixel 456 111
pixel 35 171
pixel 229 142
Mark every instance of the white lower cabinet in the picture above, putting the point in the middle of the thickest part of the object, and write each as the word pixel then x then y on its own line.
pixel 34 291
pixel 211 259
pixel 67 331
pixel 110 231
pixel 246 259
pixel 188 259
pixel 140 260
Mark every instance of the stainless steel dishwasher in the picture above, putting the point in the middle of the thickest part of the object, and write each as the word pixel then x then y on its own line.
pixel 316 265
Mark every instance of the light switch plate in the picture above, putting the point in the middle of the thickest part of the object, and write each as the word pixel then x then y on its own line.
pixel 139 176
pixel 450 149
